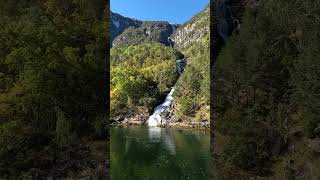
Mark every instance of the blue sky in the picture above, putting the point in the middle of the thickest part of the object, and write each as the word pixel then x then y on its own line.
pixel 173 11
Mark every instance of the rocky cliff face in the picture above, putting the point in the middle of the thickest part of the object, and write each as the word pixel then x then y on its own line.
pixel 146 32
pixel 126 31
pixel 193 30
pixel 119 23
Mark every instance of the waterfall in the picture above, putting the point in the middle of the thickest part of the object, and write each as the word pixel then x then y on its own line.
pixel 155 118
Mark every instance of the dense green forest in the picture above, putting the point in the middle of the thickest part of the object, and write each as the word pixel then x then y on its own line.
pixel 143 71
pixel 53 74
pixel 193 87
pixel 140 76
pixel 267 94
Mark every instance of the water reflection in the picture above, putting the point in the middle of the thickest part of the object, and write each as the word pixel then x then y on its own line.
pixel 159 153
pixel 154 134
pixel 157 134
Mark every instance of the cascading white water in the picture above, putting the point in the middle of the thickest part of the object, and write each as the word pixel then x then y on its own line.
pixel 155 118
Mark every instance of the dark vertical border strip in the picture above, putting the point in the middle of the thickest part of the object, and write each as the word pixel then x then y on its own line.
pixel 216 44
pixel 211 101
pixel 214 49
pixel 106 12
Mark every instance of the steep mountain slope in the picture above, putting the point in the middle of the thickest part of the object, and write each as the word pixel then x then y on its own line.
pixel 193 87
pixel 127 31
pixel 140 76
pixel 267 94
pixel 147 32
pixel 192 97
pixel 150 71
pixel 120 23
pixel 156 31
pixel 193 30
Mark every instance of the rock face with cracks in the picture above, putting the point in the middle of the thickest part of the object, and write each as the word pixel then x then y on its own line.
pixel 147 32
pixel 120 23
pixel 193 30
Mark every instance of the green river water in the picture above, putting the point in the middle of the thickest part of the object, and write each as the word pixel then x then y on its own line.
pixel 154 153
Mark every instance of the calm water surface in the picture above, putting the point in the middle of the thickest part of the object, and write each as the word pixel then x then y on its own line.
pixel 153 153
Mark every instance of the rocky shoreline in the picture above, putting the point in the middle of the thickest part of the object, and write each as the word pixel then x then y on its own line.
pixel 167 121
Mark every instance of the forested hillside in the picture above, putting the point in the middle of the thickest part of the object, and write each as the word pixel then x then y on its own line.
pixel 143 71
pixel 267 94
pixel 193 87
pixel 140 76
pixel 53 74
pixel 147 32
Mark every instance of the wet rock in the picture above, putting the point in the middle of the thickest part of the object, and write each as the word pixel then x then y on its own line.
pixel 117 119
pixel 205 124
